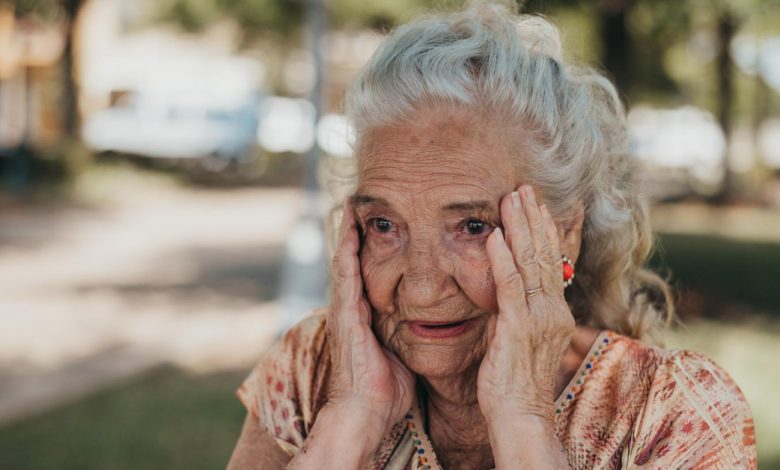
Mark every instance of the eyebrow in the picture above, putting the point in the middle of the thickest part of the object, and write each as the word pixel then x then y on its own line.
pixel 480 205
pixel 364 200
pixel 467 206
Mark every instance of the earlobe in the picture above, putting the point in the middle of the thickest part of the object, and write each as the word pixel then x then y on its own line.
pixel 570 232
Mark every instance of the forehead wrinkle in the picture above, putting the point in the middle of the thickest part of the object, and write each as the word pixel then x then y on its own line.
pixel 444 168
pixel 480 200
pixel 406 156
pixel 483 162
pixel 456 166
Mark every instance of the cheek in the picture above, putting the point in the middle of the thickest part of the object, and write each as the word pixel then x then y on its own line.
pixel 475 277
pixel 380 279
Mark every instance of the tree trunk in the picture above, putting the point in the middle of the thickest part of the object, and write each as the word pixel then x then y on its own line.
pixel 727 26
pixel 616 42
pixel 71 118
pixel 761 111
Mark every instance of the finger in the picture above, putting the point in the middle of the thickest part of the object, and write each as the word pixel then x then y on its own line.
pixel 510 291
pixel 552 271
pixel 545 259
pixel 551 231
pixel 553 274
pixel 521 242
pixel 536 225
pixel 347 284
pixel 347 219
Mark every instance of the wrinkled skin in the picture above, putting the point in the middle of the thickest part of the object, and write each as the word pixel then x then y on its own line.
pixel 429 267
pixel 420 241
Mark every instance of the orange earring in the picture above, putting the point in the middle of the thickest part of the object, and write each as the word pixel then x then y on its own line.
pixel 568 271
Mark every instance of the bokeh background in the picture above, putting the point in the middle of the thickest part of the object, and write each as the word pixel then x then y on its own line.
pixel 162 200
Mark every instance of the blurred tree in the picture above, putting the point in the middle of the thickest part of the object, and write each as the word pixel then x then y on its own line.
pixel 282 19
pixel 275 18
pixel 66 12
pixel 622 38
pixel 45 9
pixel 726 28
pixel 72 121
pixel 616 40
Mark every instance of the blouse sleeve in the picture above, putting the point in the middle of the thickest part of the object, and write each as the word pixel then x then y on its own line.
pixel 285 388
pixel 695 418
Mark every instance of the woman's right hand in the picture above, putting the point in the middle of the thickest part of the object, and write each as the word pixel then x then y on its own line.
pixel 371 389
pixel 370 382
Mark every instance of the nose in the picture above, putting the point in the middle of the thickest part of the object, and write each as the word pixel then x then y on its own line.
pixel 424 283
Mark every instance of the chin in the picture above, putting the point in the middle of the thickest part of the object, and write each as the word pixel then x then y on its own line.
pixel 441 361
pixel 441 358
pixel 436 352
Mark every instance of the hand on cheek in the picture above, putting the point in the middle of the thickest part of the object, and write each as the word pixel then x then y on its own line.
pixel 534 324
pixel 369 380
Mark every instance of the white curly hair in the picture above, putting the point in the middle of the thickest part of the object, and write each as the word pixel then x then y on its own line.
pixel 491 59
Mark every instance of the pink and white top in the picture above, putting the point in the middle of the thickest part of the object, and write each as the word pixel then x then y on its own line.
pixel 630 405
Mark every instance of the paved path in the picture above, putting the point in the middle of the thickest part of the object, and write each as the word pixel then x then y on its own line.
pixel 153 274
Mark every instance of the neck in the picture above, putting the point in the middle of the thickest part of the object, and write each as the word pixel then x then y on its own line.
pixel 454 417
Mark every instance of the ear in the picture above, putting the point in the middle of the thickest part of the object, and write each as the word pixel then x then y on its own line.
pixel 570 232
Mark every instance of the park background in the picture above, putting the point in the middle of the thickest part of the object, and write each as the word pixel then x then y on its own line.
pixel 162 200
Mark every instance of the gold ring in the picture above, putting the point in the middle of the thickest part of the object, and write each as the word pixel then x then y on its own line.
pixel 533 292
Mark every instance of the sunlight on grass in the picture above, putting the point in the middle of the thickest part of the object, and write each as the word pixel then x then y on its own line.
pixel 163 419
pixel 169 419
pixel 115 181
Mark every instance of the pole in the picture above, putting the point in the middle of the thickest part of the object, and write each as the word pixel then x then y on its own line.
pixel 304 274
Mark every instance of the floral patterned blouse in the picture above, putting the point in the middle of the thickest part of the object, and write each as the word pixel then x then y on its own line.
pixel 630 405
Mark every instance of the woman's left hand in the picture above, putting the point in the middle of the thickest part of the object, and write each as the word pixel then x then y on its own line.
pixel 517 377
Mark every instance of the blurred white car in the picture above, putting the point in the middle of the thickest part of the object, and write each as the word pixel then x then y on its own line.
pixel 682 150
pixel 179 127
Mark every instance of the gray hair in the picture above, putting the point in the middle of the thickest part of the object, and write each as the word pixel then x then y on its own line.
pixel 488 57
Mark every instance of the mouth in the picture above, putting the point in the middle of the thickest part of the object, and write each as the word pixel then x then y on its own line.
pixel 441 330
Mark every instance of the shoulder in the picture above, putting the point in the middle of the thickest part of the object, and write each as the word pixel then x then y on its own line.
pixel 303 339
pixel 621 369
pixel 694 415
pixel 674 380
pixel 296 357
pixel 653 372
pixel 644 404
pixel 694 376
pixel 288 386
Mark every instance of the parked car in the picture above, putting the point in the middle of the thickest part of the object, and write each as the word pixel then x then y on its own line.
pixel 176 127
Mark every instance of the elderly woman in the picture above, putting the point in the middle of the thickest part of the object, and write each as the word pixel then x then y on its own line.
pixel 458 335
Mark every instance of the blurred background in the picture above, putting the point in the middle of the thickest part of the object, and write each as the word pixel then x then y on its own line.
pixel 162 205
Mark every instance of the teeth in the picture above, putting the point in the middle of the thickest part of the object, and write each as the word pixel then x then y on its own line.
pixel 444 325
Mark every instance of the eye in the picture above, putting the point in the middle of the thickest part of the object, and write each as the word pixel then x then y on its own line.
pixel 381 225
pixel 475 226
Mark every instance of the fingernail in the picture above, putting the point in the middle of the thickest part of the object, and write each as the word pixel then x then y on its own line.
pixel 529 192
pixel 545 212
pixel 515 200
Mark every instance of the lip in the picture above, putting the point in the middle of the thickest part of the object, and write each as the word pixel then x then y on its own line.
pixel 441 329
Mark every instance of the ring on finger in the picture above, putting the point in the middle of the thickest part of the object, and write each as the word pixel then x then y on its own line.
pixel 533 292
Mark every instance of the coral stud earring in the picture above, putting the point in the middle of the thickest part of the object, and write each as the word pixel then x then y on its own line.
pixel 568 271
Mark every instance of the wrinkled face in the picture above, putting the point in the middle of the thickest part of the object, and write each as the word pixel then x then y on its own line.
pixel 426 201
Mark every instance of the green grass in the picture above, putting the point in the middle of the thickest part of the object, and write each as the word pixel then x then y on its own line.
pixel 163 420
pixel 723 270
